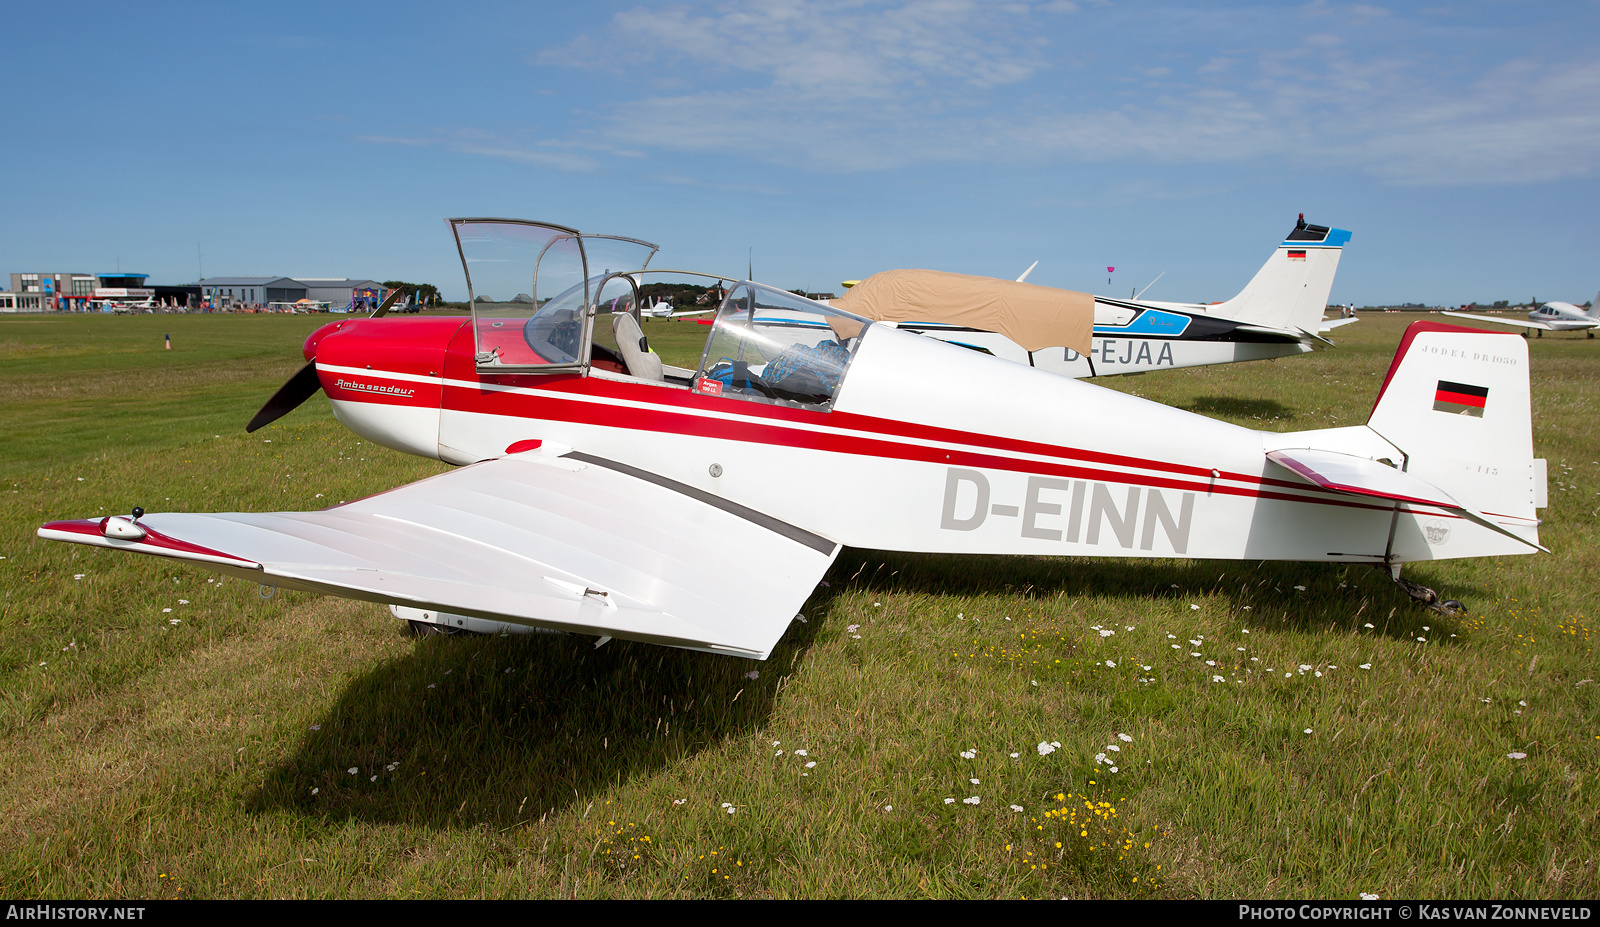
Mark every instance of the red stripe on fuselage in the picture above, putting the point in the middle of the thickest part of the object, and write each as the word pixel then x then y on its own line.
pixel 777 433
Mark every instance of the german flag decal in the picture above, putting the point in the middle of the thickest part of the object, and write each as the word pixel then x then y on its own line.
pixel 1460 399
pixel 1297 255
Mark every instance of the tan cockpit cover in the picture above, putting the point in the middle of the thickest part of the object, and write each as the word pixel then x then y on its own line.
pixel 1035 317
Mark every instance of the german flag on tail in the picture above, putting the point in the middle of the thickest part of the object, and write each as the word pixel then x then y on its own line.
pixel 1460 398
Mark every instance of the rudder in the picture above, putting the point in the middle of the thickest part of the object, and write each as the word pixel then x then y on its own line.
pixel 1457 401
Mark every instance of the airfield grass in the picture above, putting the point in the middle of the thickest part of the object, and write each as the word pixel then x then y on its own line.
pixel 1263 730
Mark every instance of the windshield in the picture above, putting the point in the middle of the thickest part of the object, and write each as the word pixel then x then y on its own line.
pixel 531 285
pixel 774 346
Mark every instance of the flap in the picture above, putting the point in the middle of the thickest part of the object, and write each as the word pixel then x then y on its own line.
pixel 578 543
pixel 1361 476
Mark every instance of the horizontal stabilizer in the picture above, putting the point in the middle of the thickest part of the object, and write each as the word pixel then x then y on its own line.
pixel 1361 476
pixel 576 543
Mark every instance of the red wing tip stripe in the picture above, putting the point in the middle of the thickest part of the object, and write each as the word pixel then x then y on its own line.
pixel 153 540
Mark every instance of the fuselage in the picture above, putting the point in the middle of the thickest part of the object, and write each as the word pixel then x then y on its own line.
pixel 926 446
pixel 1563 316
pixel 1134 338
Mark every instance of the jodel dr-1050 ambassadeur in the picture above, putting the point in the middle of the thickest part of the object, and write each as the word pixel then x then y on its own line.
pixel 604 493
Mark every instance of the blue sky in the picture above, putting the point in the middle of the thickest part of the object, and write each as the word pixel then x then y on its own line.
pixel 823 140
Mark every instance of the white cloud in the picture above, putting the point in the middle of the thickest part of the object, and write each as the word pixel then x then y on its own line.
pixel 485 144
pixel 848 85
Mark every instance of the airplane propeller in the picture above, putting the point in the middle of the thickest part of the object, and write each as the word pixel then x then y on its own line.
pixel 303 385
pixel 382 310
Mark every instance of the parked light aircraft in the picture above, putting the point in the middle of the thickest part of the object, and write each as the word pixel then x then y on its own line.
pixel 1550 317
pixel 1278 314
pixel 604 493
pixel 125 306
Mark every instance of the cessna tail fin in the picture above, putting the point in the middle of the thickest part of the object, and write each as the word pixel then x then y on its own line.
pixel 1291 290
pixel 1456 401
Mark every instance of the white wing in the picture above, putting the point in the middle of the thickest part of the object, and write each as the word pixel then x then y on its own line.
pixel 1524 323
pixel 576 542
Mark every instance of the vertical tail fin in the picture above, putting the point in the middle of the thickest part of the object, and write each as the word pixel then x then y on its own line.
pixel 1456 401
pixel 1291 290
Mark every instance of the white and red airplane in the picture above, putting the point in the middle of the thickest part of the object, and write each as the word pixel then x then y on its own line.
pixel 1550 317
pixel 604 493
pixel 1279 313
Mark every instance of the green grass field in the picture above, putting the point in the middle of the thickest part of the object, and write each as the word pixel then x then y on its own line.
pixel 931 730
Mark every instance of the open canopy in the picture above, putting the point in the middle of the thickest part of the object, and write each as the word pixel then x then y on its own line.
pixel 1035 317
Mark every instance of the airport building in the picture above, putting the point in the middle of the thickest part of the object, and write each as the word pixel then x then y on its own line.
pixel 338 292
pixel 48 292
